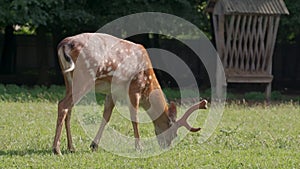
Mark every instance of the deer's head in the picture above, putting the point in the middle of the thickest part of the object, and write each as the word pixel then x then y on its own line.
pixel 167 132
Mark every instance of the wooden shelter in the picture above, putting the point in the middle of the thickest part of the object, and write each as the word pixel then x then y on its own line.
pixel 245 34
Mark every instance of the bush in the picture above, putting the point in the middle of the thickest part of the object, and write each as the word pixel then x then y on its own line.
pixel 54 93
pixel 258 96
pixel 14 93
pixel 276 95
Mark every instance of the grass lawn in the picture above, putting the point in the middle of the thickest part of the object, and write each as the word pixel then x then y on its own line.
pixel 255 136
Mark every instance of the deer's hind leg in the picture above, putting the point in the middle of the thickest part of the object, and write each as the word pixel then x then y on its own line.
pixel 68 130
pixel 64 107
pixel 64 113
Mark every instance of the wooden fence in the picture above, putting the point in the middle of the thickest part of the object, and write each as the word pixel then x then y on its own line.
pixel 286 62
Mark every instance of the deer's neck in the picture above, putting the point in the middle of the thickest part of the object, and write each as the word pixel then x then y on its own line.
pixel 156 105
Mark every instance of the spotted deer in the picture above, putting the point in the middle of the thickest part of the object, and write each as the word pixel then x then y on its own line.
pixel 117 68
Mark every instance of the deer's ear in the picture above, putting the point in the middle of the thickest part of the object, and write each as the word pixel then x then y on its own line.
pixel 172 110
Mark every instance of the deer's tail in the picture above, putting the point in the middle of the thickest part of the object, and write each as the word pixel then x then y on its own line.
pixel 67 64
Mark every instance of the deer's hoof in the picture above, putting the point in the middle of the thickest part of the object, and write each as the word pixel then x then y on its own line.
pixel 72 149
pixel 94 146
pixel 138 147
pixel 56 151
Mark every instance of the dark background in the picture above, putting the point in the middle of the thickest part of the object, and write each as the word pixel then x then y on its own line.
pixel 30 31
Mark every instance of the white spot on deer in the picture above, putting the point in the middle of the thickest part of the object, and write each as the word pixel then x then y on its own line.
pixel 132 53
pixel 103 67
pixel 150 77
pixel 109 68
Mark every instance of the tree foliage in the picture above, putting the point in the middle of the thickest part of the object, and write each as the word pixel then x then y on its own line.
pixel 289 28
pixel 70 16
pixel 51 14
pixel 106 11
pixel 73 16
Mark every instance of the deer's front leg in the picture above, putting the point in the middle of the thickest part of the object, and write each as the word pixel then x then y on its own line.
pixel 133 108
pixel 108 107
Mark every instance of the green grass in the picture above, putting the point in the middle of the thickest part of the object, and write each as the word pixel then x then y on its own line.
pixel 14 93
pixel 255 136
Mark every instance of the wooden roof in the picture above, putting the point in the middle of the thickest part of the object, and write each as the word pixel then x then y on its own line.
pixel 249 6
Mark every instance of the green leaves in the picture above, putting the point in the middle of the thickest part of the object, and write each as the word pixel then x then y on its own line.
pixel 60 16
pixel 47 13
pixel 71 16
pixel 31 12
pixel 289 24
